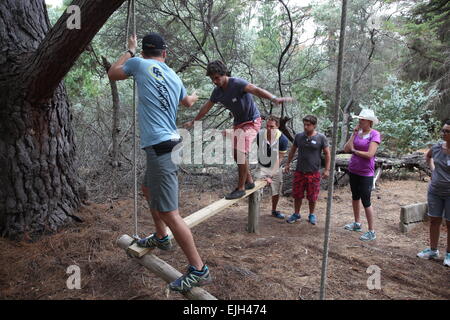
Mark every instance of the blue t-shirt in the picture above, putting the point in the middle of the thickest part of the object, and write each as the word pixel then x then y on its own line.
pixel 160 91
pixel 235 99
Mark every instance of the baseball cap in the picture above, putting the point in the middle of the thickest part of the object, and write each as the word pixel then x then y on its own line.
pixel 153 41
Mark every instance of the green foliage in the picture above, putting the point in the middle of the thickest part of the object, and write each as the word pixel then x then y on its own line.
pixel 406 123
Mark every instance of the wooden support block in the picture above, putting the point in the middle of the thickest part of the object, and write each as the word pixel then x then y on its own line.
pixel 413 213
pixel 164 270
pixel 253 212
pixel 136 251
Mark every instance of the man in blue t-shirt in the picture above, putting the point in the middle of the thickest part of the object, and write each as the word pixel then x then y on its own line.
pixel 160 91
pixel 236 95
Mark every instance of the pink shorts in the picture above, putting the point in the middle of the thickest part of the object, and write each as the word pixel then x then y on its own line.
pixel 244 134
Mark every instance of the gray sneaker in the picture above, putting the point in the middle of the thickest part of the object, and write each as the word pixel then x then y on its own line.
pixel 193 278
pixel 153 242
pixel 355 226
pixel 368 236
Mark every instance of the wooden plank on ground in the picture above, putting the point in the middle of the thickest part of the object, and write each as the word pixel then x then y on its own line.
pixel 201 215
pixel 165 271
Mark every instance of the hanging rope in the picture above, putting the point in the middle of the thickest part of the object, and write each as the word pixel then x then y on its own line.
pixel 131 16
pixel 323 282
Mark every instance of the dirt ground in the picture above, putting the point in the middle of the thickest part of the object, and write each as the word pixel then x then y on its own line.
pixel 283 262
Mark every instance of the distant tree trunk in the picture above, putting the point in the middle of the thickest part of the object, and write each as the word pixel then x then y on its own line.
pixel 40 188
pixel 345 122
pixel 115 130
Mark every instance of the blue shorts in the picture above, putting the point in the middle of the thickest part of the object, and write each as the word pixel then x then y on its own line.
pixel 438 206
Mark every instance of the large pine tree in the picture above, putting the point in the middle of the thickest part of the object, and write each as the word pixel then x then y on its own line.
pixel 39 185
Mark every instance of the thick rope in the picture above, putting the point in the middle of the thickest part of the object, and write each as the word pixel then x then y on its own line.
pixel 131 15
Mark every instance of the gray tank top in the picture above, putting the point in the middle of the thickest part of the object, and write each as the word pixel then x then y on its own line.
pixel 440 177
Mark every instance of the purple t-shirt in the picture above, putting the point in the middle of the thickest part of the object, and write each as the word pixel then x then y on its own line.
pixel 359 165
pixel 235 99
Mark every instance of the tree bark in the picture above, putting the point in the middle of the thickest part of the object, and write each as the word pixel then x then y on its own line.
pixel 345 122
pixel 115 130
pixel 40 188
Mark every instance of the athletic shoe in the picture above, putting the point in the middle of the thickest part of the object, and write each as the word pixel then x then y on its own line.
pixel 428 254
pixel 312 219
pixel 153 241
pixel 293 217
pixel 236 194
pixel 193 278
pixel 249 186
pixel 368 236
pixel 355 226
pixel 447 260
pixel 277 214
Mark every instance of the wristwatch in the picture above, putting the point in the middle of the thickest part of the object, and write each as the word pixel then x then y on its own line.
pixel 131 52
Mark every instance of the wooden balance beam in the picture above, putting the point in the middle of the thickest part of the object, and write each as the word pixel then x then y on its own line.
pixel 207 212
pixel 169 273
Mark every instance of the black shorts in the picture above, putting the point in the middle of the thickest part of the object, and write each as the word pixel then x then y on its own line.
pixel 361 188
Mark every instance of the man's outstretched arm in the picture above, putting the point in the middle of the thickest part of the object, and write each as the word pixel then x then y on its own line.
pixel 203 111
pixel 264 94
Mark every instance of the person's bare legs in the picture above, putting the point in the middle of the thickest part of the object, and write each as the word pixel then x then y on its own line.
pixel 297 205
pixel 435 229
pixel 356 204
pixel 275 199
pixel 160 226
pixel 243 169
pixel 183 236
pixel 312 206
pixel 369 216
pixel 249 174
pixel 448 236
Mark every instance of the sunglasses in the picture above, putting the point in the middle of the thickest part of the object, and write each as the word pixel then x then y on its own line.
pixel 445 131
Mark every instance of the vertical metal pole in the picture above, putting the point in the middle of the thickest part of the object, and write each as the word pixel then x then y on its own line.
pixel 323 282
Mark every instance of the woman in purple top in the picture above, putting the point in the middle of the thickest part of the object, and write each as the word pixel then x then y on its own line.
pixel 363 145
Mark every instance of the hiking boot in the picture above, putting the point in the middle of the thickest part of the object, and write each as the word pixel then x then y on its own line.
pixel 293 217
pixel 429 254
pixel 312 219
pixel 236 194
pixel 355 226
pixel 193 278
pixel 249 185
pixel 368 236
pixel 153 241
pixel 277 214
pixel 447 260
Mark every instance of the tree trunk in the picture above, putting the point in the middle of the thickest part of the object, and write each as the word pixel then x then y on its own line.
pixel 345 123
pixel 115 130
pixel 40 188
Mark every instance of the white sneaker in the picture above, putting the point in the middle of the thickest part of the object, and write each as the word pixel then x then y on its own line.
pixel 447 260
pixel 428 254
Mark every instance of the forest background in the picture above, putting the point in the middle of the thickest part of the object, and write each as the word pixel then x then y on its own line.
pixel 396 62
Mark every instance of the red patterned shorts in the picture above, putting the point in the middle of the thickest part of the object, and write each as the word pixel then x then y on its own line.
pixel 306 181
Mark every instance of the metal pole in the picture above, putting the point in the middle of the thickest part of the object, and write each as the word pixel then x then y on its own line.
pixel 323 282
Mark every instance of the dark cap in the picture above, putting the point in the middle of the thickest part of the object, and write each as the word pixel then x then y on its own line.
pixel 153 41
